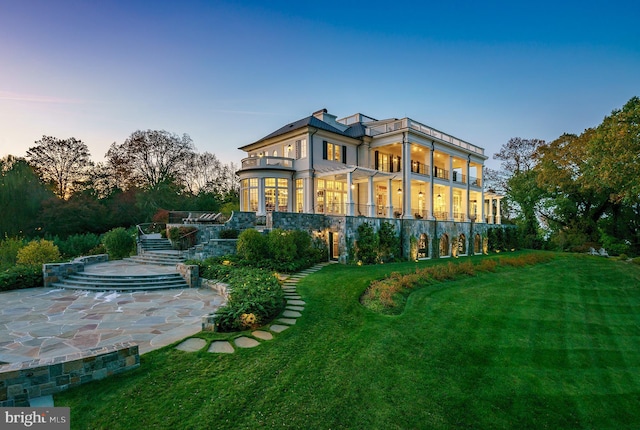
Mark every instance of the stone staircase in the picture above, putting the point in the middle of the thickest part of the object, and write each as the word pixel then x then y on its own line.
pixel 158 257
pixel 103 282
pixel 155 244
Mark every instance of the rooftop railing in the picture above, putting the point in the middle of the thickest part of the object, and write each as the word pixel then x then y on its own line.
pixel 430 131
pixel 267 162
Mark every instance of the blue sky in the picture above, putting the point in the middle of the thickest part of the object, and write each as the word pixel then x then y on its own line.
pixel 230 72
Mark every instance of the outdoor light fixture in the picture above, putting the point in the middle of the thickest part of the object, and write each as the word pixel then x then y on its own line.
pixel 399 190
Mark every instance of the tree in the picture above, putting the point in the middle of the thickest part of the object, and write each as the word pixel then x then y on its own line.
pixel 64 163
pixel 150 158
pixel 517 180
pixel 21 198
pixel 613 149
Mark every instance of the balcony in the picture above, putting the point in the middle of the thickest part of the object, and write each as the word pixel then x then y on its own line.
pixel 440 173
pixel 267 162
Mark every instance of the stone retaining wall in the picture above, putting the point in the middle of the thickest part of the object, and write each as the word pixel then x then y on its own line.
pixel 190 273
pixel 54 272
pixel 20 382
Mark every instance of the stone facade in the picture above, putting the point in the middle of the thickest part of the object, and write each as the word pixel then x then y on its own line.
pixel 420 239
pixel 20 382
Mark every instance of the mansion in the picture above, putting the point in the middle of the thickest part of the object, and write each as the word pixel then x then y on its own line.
pixel 358 166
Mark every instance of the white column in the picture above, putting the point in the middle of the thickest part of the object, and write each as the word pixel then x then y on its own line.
pixel 406 180
pixel 431 197
pixel 390 199
pixel 371 204
pixel 481 203
pixel 450 187
pixel 261 203
pixel 467 217
pixel 498 217
pixel 349 194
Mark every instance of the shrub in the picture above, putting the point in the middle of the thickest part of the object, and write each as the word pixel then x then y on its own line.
pixel 255 298
pixel 38 252
pixel 252 245
pixel 119 243
pixel 367 244
pixel 636 260
pixel 282 248
pixel 230 233
pixel 9 248
pixel 23 276
pixel 182 237
pixel 78 244
pixel 389 242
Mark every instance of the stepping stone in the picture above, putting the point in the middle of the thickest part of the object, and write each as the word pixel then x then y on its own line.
pixel 295 302
pixel 277 328
pixel 291 314
pixel 192 345
pixel 260 334
pixel 221 347
pixel 295 308
pixel 292 296
pixel 246 342
pixel 289 288
pixel 290 321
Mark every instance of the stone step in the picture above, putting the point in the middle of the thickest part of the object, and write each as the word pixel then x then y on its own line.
pixel 100 282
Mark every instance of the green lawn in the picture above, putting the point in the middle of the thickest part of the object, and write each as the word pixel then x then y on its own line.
pixel 556 345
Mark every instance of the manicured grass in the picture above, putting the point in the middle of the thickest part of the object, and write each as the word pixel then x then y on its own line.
pixel 555 345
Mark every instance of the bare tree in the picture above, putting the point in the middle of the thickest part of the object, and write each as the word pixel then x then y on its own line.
pixel 149 158
pixel 64 163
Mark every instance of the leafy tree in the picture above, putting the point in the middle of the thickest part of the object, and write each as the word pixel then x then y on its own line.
pixel 21 198
pixel 367 244
pixel 150 158
pixel 518 181
pixel 613 150
pixel 64 163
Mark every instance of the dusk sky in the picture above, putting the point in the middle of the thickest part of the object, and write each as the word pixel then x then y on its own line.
pixel 230 72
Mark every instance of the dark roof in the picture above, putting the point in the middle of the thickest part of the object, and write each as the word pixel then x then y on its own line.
pixel 356 130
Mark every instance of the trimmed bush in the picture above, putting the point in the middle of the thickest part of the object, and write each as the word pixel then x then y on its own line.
pixel 23 276
pixel 252 245
pixel 119 243
pixel 38 252
pixel 389 243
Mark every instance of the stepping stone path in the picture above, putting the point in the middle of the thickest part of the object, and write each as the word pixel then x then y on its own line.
pixel 294 308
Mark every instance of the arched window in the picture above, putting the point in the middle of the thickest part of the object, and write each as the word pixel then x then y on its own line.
pixel 462 245
pixel 444 246
pixel 423 247
pixel 477 244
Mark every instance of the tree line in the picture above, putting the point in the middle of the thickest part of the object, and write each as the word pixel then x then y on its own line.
pixel 578 191
pixel 57 190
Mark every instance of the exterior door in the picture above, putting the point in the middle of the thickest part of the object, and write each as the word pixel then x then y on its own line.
pixel 334 251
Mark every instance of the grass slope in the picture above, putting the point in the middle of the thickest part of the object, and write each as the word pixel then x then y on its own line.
pixel 547 346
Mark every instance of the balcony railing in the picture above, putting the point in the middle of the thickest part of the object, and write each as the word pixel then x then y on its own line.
pixel 420 213
pixel 440 173
pixel 475 181
pixel 419 168
pixel 441 216
pixel 459 177
pixel 267 162
pixel 430 131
